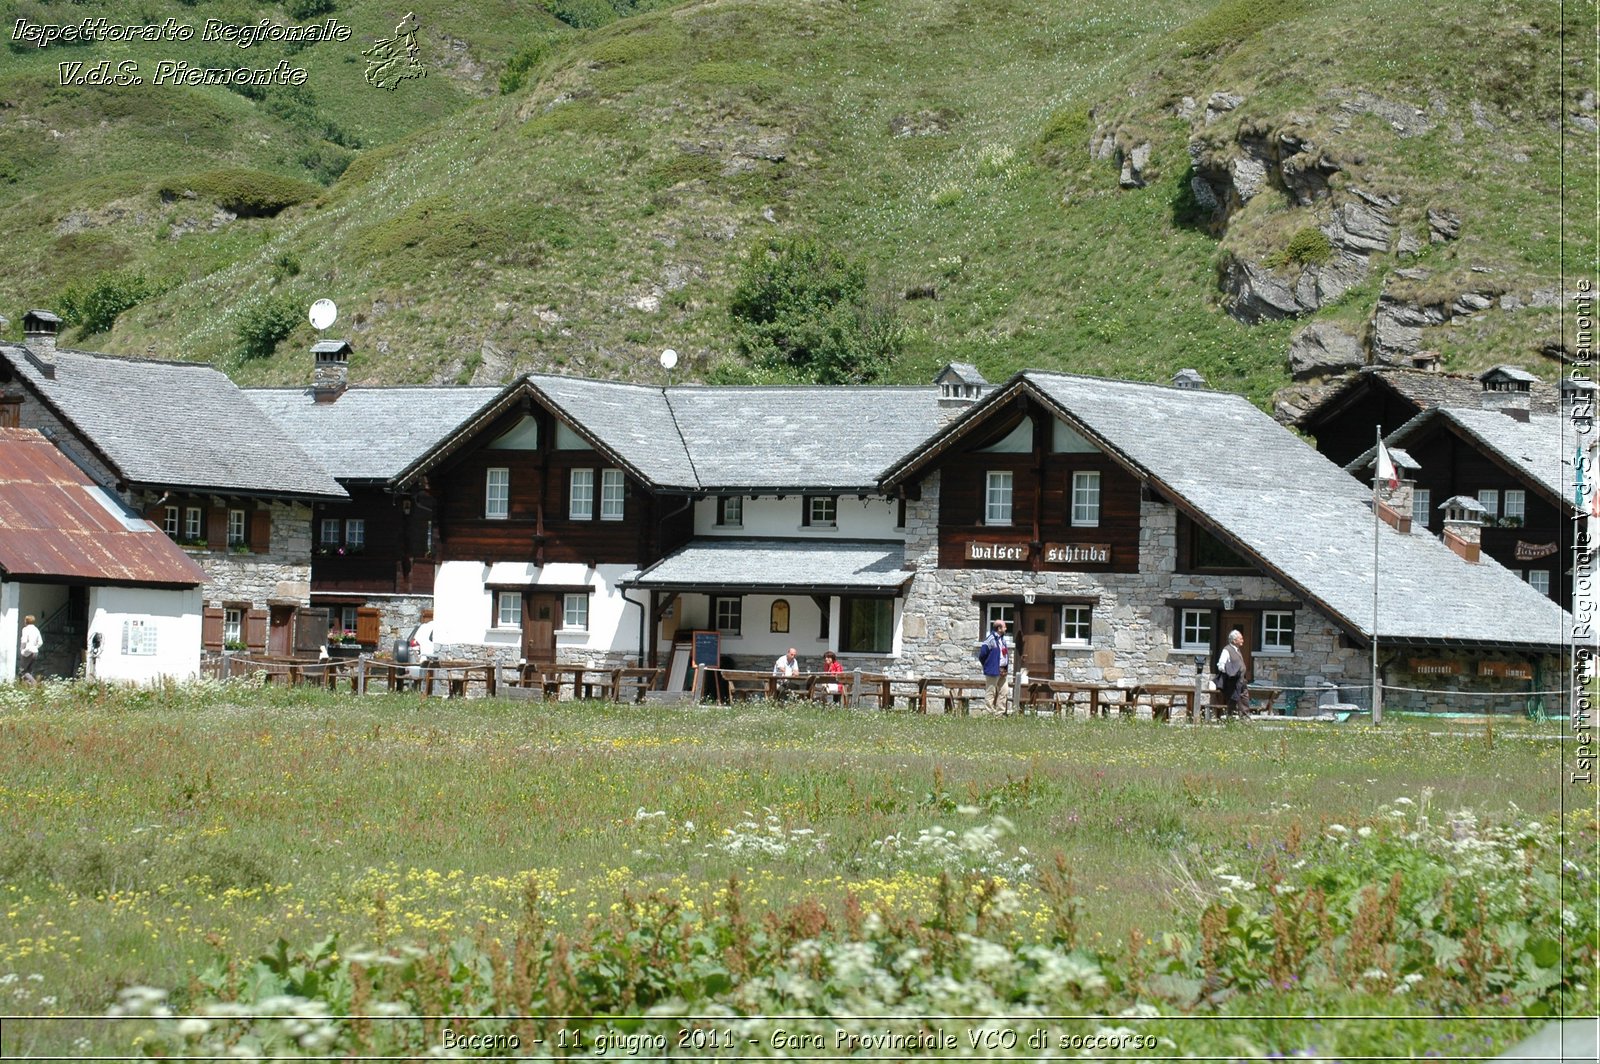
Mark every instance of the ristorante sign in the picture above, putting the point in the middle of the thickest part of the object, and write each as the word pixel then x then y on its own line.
pixel 1054 554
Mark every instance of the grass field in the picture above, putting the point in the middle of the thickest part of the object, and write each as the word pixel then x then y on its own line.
pixel 166 839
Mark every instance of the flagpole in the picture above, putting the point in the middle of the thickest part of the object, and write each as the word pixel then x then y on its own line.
pixel 1377 474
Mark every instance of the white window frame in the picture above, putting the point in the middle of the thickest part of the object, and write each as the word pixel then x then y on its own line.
pixel 999 611
pixel 1086 498
pixel 735 504
pixel 1490 498
pixel 193 523
pixel 1515 504
pixel 508 609
pixel 348 618
pixel 497 493
pixel 1185 642
pixel 330 531
pixel 613 493
pixel 236 528
pixel 827 506
pixel 1421 507
pixel 171 521
pixel 719 617
pixel 999 486
pixel 1539 580
pixel 1277 632
pixel 232 625
pixel 580 495
pixel 575 612
pixel 1077 625
pixel 355 532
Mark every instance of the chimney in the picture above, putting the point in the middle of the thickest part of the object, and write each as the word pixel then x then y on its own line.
pixel 1394 504
pixel 330 372
pixel 1463 526
pixel 39 328
pixel 960 384
pixel 1426 361
pixel 1189 380
pixel 1508 389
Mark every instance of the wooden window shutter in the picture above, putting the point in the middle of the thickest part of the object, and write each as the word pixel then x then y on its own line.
pixel 367 624
pixel 261 531
pixel 217 528
pixel 156 514
pixel 211 628
pixel 255 630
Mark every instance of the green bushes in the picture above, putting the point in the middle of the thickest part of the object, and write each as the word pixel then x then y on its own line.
pixel 265 324
pixel 94 307
pixel 1064 140
pixel 1308 247
pixel 301 10
pixel 801 308
pixel 247 193
pixel 515 75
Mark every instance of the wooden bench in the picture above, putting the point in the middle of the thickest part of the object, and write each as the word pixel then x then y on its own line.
pixel 1061 697
pixel 956 692
pixel 632 685
pixel 1163 698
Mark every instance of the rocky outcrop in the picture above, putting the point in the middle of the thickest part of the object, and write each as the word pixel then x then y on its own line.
pixel 1230 172
pixel 1135 166
pixel 1356 230
pixel 1320 350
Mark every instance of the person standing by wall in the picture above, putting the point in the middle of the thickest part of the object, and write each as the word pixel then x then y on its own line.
pixel 1231 679
pixel 994 654
pixel 32 643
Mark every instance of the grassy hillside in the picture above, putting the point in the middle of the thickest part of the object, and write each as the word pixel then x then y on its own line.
pixel 601 212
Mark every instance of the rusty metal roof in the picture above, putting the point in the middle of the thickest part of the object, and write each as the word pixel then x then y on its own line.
pixel 54 522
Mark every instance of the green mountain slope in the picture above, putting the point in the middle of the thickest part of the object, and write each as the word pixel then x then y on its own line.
pixel 972 151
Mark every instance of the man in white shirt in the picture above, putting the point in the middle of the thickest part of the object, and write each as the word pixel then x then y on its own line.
pixel 32 643
pixel 1231 669
pixel 787 666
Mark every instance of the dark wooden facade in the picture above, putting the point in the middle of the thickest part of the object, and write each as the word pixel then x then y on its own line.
pixel 1452 464
pixel 1345 427
pixel 1041 502
pixel 395 555
pixel 538 526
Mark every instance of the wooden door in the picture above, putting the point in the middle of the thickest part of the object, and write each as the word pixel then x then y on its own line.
pixel 1245 622
pixel 539 628
pixel 1036 641
pixel 280 633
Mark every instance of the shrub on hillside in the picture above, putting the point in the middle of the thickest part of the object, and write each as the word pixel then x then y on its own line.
pixel 1308 247
pixel 515 75
pixel 1233 21
pixel 95 306
pixel 247 193
pixel 264 325
pixel 803 307
pixel 301 10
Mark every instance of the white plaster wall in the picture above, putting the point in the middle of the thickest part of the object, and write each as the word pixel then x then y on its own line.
pixel 176 616
pixel 869 518
pixel 757 646
pixel 462 603
pixel 10 629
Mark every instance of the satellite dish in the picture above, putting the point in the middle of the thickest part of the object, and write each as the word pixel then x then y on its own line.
pixel 669 358
pixel 323 313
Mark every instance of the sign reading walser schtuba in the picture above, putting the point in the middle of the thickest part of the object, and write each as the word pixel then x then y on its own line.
pixel 1066 555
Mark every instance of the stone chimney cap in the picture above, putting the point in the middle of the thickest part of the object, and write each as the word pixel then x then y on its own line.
pixel 34 318
pixel 965 372
pixel 1189 379
pixel 1463 502
pixel 1577 385
pixel 1508 375
pixel 331 347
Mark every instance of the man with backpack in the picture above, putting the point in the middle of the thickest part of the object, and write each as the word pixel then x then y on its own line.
pixel 994 654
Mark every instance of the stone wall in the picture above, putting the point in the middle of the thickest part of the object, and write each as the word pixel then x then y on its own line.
pixel 282 573
pixel 511 655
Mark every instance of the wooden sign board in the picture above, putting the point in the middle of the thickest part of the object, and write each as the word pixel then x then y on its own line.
pixel 1435 667
pixel 1506 670
pixel 1077 554
pixel 1527 552
pixel 996 552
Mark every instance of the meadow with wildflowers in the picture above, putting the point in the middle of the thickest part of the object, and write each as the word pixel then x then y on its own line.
pixel 214 869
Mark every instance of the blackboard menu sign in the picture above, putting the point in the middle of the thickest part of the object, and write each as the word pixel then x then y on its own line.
pixel 707 649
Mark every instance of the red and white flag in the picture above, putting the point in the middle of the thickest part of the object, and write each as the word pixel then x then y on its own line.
pixel 1386 470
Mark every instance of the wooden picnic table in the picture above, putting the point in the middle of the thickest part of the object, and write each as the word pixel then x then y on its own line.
pixel 1062 696
pixel 1165 697
pixel 956 691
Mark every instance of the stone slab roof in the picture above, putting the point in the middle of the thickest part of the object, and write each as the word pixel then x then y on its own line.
pixel 1424 389
pixel 181 425
pixel 633 421
pixel 1537 447
pixel 812 566
pixel 369 434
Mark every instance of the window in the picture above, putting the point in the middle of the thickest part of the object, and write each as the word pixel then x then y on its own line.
pixel 1539 580
pixel 330 531
pixel 232 625
pixel 347 618
pixel 169 521
pixel 1421 507
pixel 866 625
pixel 1194 630
pixel 997 498
pixel 580 498
pixel 508 609
pixel 730 512
pixel 235 528
pixel 611 494
pixel 1491 503
pixel 355 533
pixel 497 494
pixel 1516 505
pixel 575 613
pixel 729 614
pixel 822 511
pixel 1075 624
pixel 1277 632
pixel 1085 500
pixel 191 523
pixel 999 611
